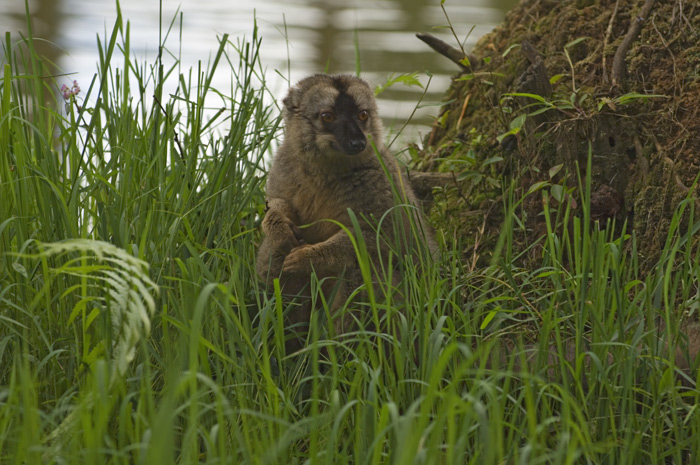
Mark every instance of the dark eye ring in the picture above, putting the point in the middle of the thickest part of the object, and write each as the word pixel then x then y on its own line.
pixel 363 115
pixel 327 117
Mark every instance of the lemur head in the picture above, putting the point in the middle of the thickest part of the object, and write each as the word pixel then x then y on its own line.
pixel 332 114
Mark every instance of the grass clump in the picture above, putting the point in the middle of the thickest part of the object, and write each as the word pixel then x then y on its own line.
pixel 132 328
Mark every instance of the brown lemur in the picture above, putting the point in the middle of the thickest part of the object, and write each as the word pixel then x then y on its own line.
pixel 332 165
pixel 332 162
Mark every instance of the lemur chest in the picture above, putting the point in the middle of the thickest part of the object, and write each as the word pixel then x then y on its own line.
pixel 315 212
pixel 317 205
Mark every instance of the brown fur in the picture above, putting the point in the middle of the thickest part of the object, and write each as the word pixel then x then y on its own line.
pixel 312 181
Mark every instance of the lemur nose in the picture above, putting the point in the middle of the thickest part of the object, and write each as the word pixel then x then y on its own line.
pixel 358 145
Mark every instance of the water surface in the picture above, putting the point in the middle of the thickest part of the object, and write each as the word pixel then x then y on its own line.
pixel 299 37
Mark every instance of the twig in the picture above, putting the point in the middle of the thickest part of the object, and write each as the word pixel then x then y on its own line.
pixel 608 33
pixel 681 17
pixel 454 33
pixel 459 187
pixel 619 69
pixel 464 109
pixel 670 52
pixel 410 117
pixel 431 138
pixel 477 240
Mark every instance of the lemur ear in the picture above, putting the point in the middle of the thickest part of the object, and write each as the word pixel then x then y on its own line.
pixel 292 100
pixel 294 97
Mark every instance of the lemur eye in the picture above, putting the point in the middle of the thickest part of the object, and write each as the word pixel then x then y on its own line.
pixel 363 115
pixel 327 117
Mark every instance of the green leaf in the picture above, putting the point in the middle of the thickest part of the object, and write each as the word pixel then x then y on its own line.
pixel 126 282
pixel 512 132
pixel 491 160
pixel 19 268
pixel 509 49
pixel 554 79
pixel 518 122
pixel 407 79
pixel 576 41
pixel 537 186
pixel 487 319
pixel 555 169
pixel 80 306
pixel 539 110
pixel 539 98
pixel 632 96
pixel 557 192
pixel 606 101
pixel 474 176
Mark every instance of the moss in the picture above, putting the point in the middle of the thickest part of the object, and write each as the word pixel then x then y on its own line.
pixel 645 150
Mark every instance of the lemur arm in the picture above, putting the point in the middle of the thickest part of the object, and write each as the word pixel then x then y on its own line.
pixel 281 236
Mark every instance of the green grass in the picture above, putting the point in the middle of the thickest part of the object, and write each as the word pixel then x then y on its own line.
pixel 133 329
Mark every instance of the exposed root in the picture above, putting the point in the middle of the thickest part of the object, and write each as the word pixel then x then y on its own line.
pixel 619 69
pixel 608 33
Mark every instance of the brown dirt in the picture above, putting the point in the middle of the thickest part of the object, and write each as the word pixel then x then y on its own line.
pixel 645 152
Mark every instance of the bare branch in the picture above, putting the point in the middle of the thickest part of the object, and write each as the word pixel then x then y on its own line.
pixel 446 50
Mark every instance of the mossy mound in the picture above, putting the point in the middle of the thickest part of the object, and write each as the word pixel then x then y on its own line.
pixel 642 129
